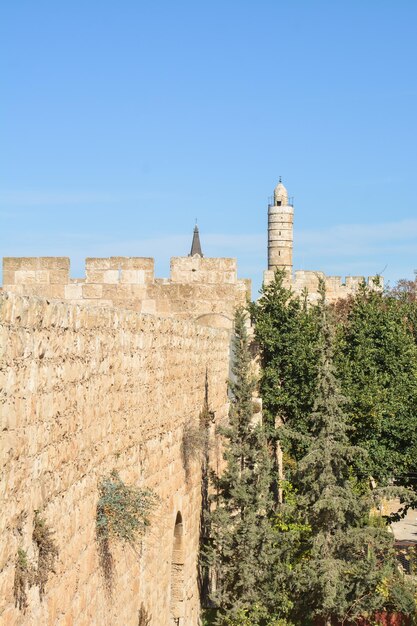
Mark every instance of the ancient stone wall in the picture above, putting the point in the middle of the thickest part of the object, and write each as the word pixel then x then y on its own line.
pixel 336 289
pixel 206 290
pixel 85 390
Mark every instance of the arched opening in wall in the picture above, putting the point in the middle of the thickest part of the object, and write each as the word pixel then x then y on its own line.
pixel 215 320
pixel 177 575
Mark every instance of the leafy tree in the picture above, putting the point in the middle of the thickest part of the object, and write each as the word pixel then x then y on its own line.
pixel 349 567
pixel 405 292
pixel 376 363
pixel 243 551
pixel 376 358
pixel 287 334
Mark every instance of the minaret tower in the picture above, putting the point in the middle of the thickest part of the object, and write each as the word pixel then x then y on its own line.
pixel 280 231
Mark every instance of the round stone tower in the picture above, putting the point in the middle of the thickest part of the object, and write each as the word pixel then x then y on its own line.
pixel 280 230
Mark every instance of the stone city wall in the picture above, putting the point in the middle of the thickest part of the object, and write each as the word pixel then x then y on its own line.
pixel 206 290
pixel 85 390
pixel 336 289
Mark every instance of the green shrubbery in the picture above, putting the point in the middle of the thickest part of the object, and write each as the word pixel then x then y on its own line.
pixel 26 573
pixel 339 392
pixel 123 514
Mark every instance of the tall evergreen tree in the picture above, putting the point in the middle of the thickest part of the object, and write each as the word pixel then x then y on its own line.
pixel 243 549
pixel 349 569
pixel 287 333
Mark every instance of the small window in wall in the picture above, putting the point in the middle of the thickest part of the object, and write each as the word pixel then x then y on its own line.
pixel 278 202
pixel 279 252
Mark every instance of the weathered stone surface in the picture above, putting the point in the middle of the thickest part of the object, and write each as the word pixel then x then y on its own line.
pixel 197 286
pixel 84 390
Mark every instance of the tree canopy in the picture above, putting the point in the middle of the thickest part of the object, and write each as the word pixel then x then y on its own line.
pixel 339 392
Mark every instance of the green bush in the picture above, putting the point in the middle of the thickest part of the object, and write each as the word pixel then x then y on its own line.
pixel 123 511
pixel 123 514
pixel 254 616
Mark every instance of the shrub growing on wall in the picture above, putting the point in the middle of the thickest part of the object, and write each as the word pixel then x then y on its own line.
pixel 47 552
pixel 123 514
pixel 26 573
pixel 196 439
pixel 23 578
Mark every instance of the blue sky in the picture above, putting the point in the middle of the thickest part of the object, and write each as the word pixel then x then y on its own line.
pixel 121 122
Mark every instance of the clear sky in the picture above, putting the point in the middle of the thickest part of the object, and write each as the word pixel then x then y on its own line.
pixel 121 122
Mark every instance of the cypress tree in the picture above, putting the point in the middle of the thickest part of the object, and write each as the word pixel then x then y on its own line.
pixel 349 568
pixel 242 552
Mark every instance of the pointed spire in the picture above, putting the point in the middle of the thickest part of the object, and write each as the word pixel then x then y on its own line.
pixel 196 245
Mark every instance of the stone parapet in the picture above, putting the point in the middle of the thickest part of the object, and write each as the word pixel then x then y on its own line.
pixel 197 287
pixel 336 289
pixel 206 270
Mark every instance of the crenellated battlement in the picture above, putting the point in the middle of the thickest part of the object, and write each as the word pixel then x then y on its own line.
pixel 210 271
pixel 204 289
pixel 336 287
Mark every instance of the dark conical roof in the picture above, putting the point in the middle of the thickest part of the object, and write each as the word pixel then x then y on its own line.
pixel 196 245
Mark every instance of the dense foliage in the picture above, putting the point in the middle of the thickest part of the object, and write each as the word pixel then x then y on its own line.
pixel 349 569
pixel 287 333
pixel 123 511
pixel 339 392
pixel 376 359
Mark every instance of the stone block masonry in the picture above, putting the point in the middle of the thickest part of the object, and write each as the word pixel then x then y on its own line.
pixel 205 290
pixel 85 390
pixel 306 281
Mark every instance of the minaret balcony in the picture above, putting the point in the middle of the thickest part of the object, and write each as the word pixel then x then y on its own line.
pixel 272 204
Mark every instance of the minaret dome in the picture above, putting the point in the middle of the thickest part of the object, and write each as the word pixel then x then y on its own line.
pixel 280 195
